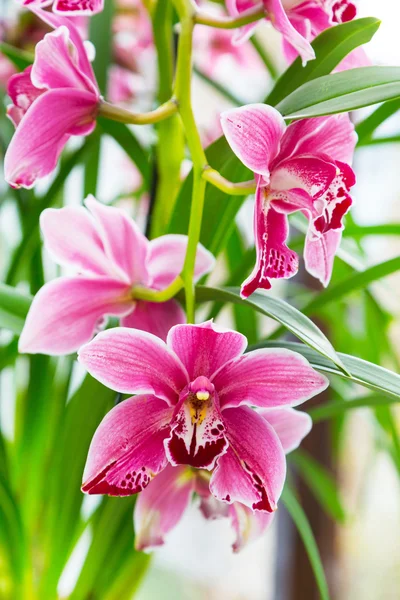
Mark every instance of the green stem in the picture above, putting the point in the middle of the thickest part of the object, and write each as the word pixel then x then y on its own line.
pixel 115 113
pixel 142 293
pixel 249 16
pixel 233 189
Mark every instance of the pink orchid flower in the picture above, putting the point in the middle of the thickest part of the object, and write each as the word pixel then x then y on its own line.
pixel 299 21
pixel 193 408
pixel 161 505
pixel 111 256
pixel 303 167
pixel 68 8
pixel 55 98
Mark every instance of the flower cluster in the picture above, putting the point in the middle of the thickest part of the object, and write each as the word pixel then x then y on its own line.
pixel 205 418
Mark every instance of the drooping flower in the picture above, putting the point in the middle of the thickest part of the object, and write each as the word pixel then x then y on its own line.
pixel 303 167
pixel 299 21
pixel 163 502
pixel 111 256
pixel 193 409
pixel 55 98
pixel 68 8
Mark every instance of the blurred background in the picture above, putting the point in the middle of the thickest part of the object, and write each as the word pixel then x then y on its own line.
pixel 360 549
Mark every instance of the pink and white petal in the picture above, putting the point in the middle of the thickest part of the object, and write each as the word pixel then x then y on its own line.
pixel 274 259
pixel 213 509
pixel 134 362
pixel 197 433
pixel 55 66
pixel 73 8
pixel 356 59
pixel 72 238
pixel 43 132
pixel 204 348
pixel 279 19
pixel 248 525
pixel 308 173
pixel 235 8
pixel 254 133
pixel 253 470
pixel 127 449
pixel 319 254
pixel 333 136
pixel 166 258
pixel 124 243
pixel 268 377
pixel 54 21
pixel 66 313
pixel 156 318
pixel 160 507
pixel 22 93
pixel 291 425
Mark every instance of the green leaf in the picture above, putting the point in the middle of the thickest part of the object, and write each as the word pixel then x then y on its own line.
pixel 366 128
pixel 14 306
pixel 363 373
pixel 360 231
pixel 280 311
pixel 18 57
pixel 128 142
pixel 331 410
pixel 303 526
pixel 342 92
pixel 320 482
pixel 331 47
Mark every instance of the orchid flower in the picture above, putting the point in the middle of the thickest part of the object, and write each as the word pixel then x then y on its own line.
pixel 303 167
pixel 111 256
pixel 163 502
pixel 53 99
pixel 299 21
pixel 193 409
pixel 68 8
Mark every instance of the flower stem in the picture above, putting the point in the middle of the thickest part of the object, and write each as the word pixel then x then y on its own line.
pixel 249 16
pixel 142 293
pixel 116 113
pixel 233 189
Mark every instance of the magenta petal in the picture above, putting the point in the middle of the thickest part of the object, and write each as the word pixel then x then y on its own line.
pixel 65 313
pixel 277 15
pixel 319 254
pixel 274 258
pixel 72 238
pixel 166 258
pixel 242 34
pixel 205 348
pixel 127 448
pixel 124 243
pixel 290 425
pixel 308 173
pixel 253 469
pixel 55 66
pixel 156 318
pixel 268 377
pixel 254 133
pixel 248 525
pixel 22 93
pixel 333 136
pixel 160 507
pixel 78 7
pixel 43 132
pixel 134 362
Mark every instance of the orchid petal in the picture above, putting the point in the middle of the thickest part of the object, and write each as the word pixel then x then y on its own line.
pixel 72 238
pixel 253 469
pixel 55 66
pixel 248 525
pixel 166 258
pixel 279 19
pixel 254 133
pixel 127 448
pixel 78 7
pixel 156 318
pixel 289 424
pixel 65 313
pixel 43 132
pixel 274 258
pixel 124 243
pixel 23 93
pixel 308 173
pixel 161 505
pixel 134 362
pixel 268 377
pixel 205 348
pixel 319 254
